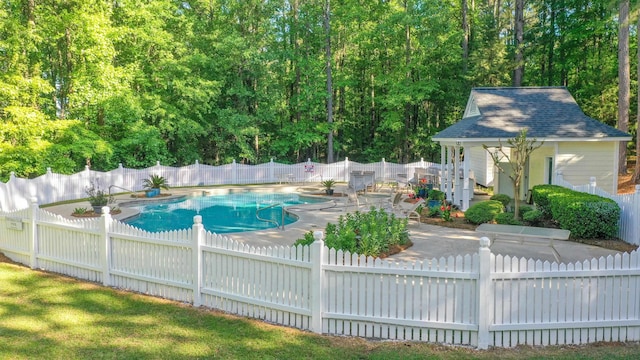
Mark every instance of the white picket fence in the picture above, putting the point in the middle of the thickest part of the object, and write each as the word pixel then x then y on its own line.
pixel 51 187
pixel 479 300
pixel 629 223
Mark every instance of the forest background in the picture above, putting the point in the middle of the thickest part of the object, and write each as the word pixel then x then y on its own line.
pixel 95 82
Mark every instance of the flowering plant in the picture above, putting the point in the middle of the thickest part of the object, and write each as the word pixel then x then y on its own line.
pixel 422 189
pixel 446 212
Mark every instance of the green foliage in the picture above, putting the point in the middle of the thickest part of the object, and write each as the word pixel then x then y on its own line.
pixel 507 218
pixel 434 211
pixel 79 211
pixel 503 198
pixel 542 194
pixel 483 212
pixel 328 184
pixel 182 81
pixel 436 194
pixel 533 217
pixel 365 233
pixel 97 195
pixel 155 182
pixel 587 216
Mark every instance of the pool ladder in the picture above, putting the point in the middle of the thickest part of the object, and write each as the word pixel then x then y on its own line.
pixel 270 220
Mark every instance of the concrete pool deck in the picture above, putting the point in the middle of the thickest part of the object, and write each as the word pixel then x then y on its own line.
pixel 429 241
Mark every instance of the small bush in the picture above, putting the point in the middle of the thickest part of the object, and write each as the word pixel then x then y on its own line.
pixel 533 217
pixel 525 209
pixel 507 219
pixel 365 233
pixel 434 211
pixel 483 212
pixel 503 198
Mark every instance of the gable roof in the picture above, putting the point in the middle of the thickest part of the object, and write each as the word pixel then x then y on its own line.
pixel 548 113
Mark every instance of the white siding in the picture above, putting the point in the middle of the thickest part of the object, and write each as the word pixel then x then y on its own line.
pixel 579 161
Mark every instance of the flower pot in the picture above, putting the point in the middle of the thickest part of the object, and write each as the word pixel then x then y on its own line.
pixel 432 203
pixel 329 191
pixel 153 192
pixel 97 209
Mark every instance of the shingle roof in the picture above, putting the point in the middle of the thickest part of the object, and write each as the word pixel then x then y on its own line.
pixel 546 112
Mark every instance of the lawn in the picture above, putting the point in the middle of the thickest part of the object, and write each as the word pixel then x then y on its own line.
pixel 48 316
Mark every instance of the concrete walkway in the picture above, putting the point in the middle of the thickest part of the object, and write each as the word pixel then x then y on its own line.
pixel 429 241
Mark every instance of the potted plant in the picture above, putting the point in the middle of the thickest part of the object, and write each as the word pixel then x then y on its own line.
pixel 435 197
pixel 328 186
pixel 153 184
pixel 98 197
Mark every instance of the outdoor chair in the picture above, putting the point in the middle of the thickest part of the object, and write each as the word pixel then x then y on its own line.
pixel 409 212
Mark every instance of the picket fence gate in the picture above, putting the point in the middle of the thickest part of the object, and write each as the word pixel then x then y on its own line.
pixel 478 300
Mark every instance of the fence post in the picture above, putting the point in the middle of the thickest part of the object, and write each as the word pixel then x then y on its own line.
pixel 592 185
pixel 485 294
pixel 105 226
pixel 198 235
pixel 346 170
pixel 34 233
pixel 272 177
pixel 234 172
pixel 317 286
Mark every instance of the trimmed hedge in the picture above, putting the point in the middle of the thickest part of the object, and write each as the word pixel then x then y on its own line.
pixel 587 216
pixel 507 219
pixel 503 198
pixel 483 212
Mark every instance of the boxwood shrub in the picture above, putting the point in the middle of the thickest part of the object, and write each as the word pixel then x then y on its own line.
pixel 507 218
pixel 503 198
pixel 585 215
pixel 541 195
pixel 483 212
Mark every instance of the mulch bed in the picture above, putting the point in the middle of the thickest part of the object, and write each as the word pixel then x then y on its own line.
pixel 91 213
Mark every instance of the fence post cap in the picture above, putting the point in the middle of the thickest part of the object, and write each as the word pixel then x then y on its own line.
pixel 318 235
pixel 485 242
pixel 197 219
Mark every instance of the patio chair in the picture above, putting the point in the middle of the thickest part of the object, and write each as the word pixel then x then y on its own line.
pixel 410 212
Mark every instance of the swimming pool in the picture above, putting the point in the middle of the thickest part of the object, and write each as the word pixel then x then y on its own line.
pixel 221 214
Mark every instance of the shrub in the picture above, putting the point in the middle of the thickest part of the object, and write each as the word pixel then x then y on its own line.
pixel 507 219
pixel 541 195
pixel 484 211
pixel 585 215
pixel 503 198
pixel 434 211
pixel 533 217
pixel 436 194
pixel 365 233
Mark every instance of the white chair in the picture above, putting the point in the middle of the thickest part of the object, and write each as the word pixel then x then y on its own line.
pixel 410 212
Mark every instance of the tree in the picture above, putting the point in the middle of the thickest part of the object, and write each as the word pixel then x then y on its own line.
pixel 518 73
pixel 624 81
pixel 636 173
pixel 327 29
pixel 521 149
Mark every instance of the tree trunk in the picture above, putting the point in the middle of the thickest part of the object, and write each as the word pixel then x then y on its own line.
pixel 518 73
pixel 327 26
pixel 623 80
pixel 636 173
pixel 465 36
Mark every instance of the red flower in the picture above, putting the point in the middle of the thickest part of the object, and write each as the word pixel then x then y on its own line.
pixel 442 208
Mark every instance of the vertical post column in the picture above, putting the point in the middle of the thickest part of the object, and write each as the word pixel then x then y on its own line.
pixel 485 294
pixel 316 282
pixel 443 166
pixel 34 233
pixel 105 227
pixel 198 237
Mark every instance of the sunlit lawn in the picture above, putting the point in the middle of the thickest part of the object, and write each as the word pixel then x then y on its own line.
pixel 44 316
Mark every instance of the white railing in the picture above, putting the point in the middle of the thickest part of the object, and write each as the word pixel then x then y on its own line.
pixel 629 223
pixel 478 300
pixel 51 187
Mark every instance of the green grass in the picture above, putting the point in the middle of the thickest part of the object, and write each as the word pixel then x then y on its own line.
pixel 45 316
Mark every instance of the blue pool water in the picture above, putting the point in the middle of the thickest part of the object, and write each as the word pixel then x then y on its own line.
pixel 220 213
